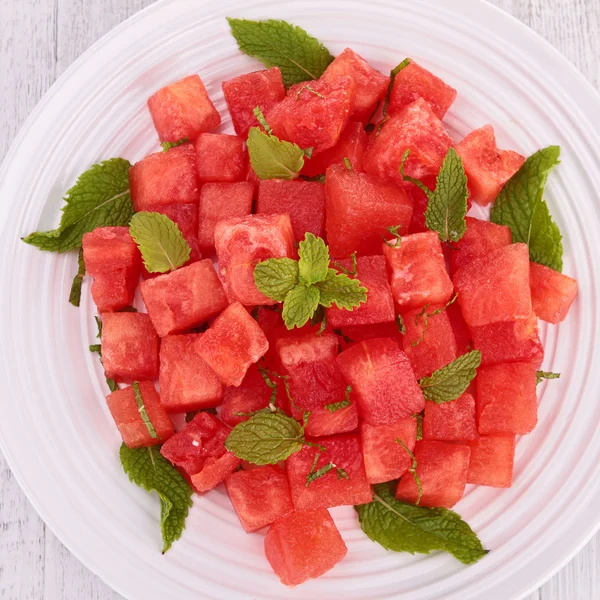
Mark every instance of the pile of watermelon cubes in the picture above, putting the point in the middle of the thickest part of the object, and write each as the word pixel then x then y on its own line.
pixel 209 331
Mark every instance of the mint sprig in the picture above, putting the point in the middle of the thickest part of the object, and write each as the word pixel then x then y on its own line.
pixel 542 375
pixel 335 406
pixel 168 145
pixel 75 294
pixel 139 400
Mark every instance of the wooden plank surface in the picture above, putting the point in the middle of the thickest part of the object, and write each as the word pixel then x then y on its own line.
pixel 39 39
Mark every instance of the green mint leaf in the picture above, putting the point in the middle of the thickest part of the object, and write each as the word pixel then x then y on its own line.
pixel 521 207
pixel 100 198
pixel 343 269
pixel 393 74
pixel 450 382
pixel 308 152
pixel 113 386
pixel 75 294
pixel 313 265
pixel 272 158
pixel 160 241
pixel 341 474
pixel 258 113
pixel 96 348
pixel 347 163
pixel 317 178
pixel 299 56
pixel 99 326
pixel 276 277
pixel 400 324
pixel 342 291
pixel 419 418
pixel 319 473
pixel 335 406
pixel 541 375
pixel 412 469
pixel 142 410
pixel 150 470
pixel 300 305
pixel 405 527
pixel 309 88
pixel 394 231
pixel 168 145
pixel 266 438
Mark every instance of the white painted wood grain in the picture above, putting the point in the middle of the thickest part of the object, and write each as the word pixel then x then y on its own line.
pixel 39 39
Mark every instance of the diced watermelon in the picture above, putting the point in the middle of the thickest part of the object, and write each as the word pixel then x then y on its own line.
pixel 165 178
pixel 451 421
pixel 332 489
pixel 220 157
pixel 359 208
pixel 386 459
pixel 323 422
pixel 220 201
pixel 112 258
pixel 495 288
pixel 183 298
pixel 351 145
pixel 414 82
pixel 552 293
pixel 260 496
pixel 462 334
pixel 371 271
pixel 492 461
pixel 415 128
pixel 314 113
pixel 418 270
pixel 303 546
pixel 125 412
pixel 243 242
pixel 360 333
pixel 187 383
pixel 382 380
pixel 303 201
pixel 371 84
pixel 245 92
pixel 232 343
pixel 506 398
pixel 129 347
pixel 487 168
pixel 442 469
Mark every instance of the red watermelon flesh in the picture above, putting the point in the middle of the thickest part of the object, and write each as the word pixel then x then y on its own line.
pixel 331 489
pixel 359 208
pixel 487 168
pixel 303 201
pixel 124 410
pixel 386 459
pixel 183 298
pixel 129 347
pixel 420 202
pixel 382 380
pixel 462 333
pixel 451 421
pixel 243 242
pixel 183 110
pixel 492 461
pixel 303 546
pixel 552 293
pixel 245 92
pixel 360 333
pixel 323 422
pixel 220 157
pixel 442 469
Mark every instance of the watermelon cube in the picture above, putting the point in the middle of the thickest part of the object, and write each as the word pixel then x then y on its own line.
pixel 183 298
pixel 414 82
pixel 506 398
pixel 183 110
pixel 323 422
pixel 314 113
pixel 487 168
pixel 187 383
pixel 492 460
pixel 245 92
pixel 382 380
pixel 386 459
pixel 462 333
pixel 165 178
pixel 418 270
pixel 124 410
pixel 303 546
pixel 371 271
pixel 359 208
pixel 351 145
pixel 243 242
pixel 552 293
pixel 371 85
pixel 198 450
pixel 451 421
pixel 260 496
pixel 220 157
pixel 415 128
pixel 232 343
pixel 495 288
pixel 333 488
pixel 112 258
pixel 129 347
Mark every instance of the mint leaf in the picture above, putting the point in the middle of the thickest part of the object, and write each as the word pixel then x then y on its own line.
pixel 393 74
pixel 347 163
pixel 343 269
pixel 299 56
pixel 400 324
pixel 160 241
pixel 450 382
pixel 100 198
pixel 405 527
pixel 521 207
pixel 168 145
pixel 300 305
pixel 335 406
pixel 541 375
pixel 150 470
pixel 413 468
pixel 340 290
pixel 276 277
pixel 272 158
pixel 419 418
pixel 314 260
pixel 258 113
pixel 142 410
pixel 75 295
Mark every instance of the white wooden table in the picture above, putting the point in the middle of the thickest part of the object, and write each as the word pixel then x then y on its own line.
pixel 39 39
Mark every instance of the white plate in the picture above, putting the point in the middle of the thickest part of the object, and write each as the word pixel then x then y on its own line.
pixel 56 431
